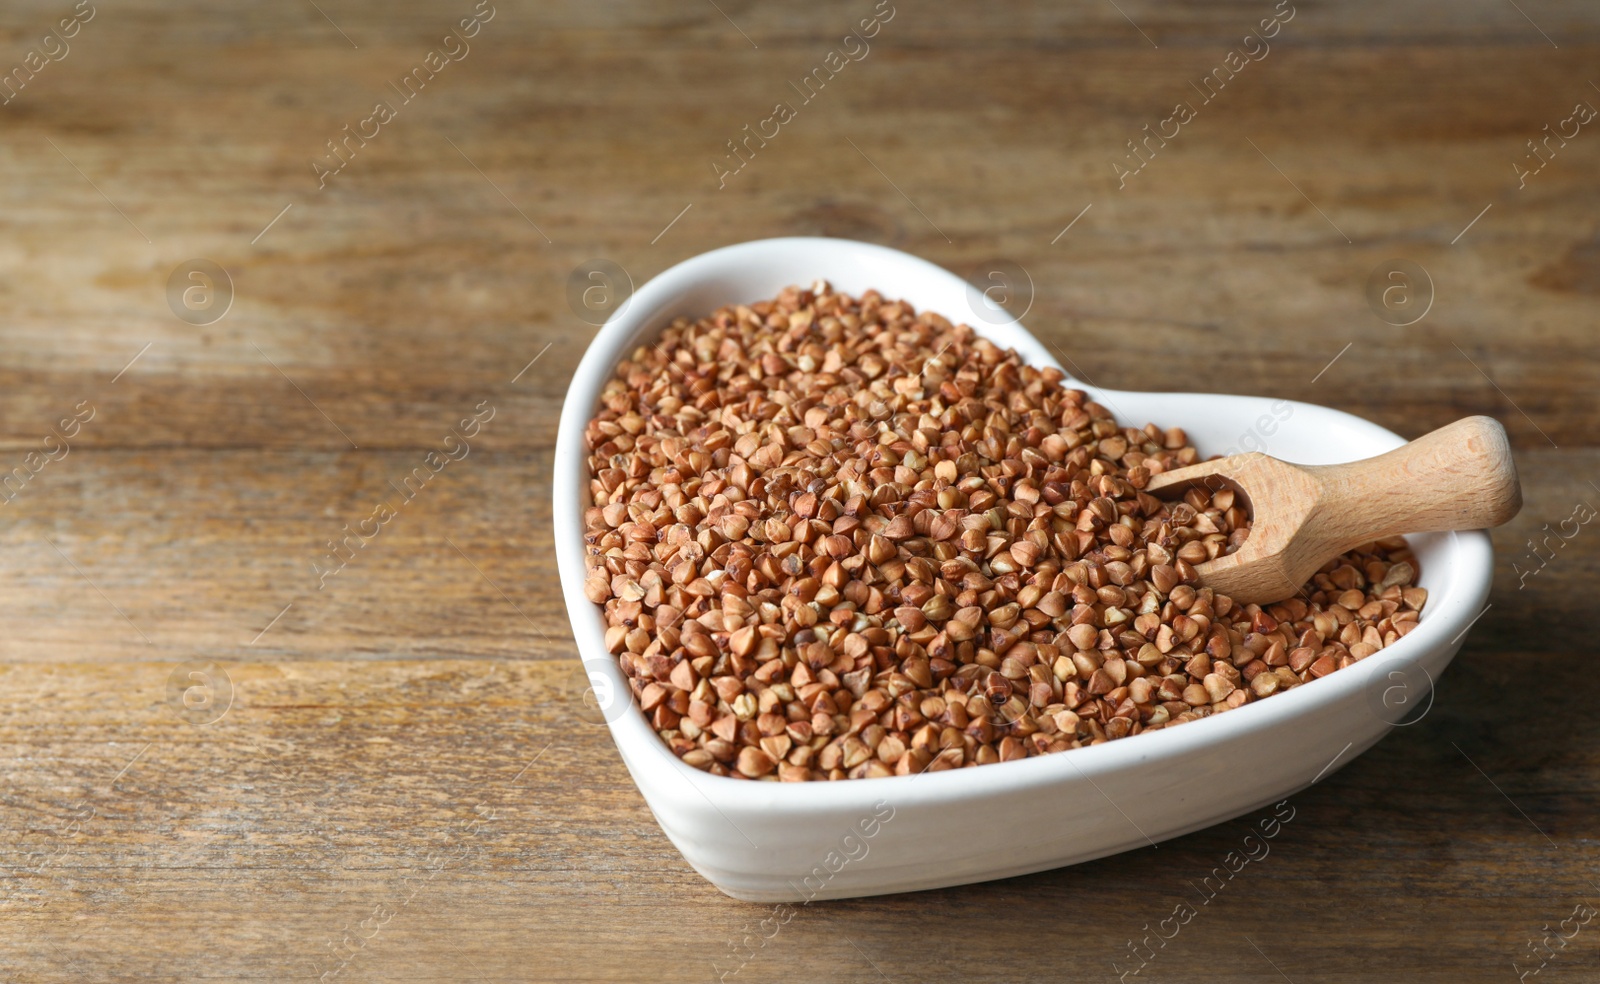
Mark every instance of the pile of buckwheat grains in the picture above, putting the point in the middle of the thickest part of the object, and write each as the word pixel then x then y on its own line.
pixel 835 538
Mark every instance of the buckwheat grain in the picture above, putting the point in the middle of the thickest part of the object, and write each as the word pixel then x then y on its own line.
pixel 836 538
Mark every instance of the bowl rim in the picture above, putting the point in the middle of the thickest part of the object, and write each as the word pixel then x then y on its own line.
pixel 1454 606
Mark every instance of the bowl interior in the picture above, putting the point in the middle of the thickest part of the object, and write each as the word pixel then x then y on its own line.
pixel 1455 567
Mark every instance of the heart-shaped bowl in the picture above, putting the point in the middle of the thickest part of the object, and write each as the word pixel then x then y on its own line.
pixel 772 841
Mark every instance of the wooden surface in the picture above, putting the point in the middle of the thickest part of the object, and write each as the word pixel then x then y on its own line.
pixel 407 756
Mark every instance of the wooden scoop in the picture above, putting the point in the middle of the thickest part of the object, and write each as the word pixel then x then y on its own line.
pixel 1460 477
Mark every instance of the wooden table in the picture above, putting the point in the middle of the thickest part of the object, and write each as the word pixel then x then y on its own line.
pixel 406 758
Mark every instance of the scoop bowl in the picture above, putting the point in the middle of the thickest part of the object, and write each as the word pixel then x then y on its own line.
pixel 795 842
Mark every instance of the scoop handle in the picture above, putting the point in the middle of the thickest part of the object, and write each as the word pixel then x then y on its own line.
pixel 1459 477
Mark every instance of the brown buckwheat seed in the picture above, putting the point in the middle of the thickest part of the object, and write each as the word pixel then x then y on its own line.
pixel 835 538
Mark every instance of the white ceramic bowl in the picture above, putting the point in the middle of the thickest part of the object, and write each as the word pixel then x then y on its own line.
pixel 769 841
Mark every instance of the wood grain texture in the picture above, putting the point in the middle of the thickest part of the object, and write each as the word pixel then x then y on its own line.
pixel 410 738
